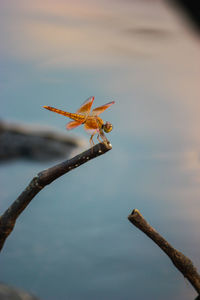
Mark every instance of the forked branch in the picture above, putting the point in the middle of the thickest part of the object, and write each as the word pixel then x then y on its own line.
pixel 181 262
pixel 9 217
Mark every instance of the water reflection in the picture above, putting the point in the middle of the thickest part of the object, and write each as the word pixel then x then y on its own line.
pixel 140 55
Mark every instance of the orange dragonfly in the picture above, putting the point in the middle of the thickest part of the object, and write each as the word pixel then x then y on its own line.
pixel 90 119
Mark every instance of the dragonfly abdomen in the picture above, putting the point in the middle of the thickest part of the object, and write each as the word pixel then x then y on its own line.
pixel 73 116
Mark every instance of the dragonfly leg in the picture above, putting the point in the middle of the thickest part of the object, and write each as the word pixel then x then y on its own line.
pixel 98 138
pixel 91 140
pixel 104 138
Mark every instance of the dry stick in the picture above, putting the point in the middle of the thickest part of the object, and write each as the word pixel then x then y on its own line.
pixel 8 219
pixel 181 262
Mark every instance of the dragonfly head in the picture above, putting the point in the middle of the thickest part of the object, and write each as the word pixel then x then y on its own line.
pixel 107 127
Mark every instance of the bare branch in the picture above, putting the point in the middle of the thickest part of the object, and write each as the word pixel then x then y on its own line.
pixel 8 219
pixel 181 262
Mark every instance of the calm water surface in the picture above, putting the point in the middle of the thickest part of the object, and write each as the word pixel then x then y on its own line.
pixel 74 240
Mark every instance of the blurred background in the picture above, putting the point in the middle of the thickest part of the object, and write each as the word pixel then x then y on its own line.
pixel 74 240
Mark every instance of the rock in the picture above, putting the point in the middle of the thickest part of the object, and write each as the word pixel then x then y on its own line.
pixel 10 293
pixel 34 143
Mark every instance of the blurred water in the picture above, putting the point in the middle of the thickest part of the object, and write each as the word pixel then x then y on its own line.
pixel 74 240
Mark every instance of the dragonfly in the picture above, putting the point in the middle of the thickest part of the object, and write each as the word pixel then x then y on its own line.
pixel 93 124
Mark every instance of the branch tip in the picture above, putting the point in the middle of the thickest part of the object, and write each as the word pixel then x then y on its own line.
pixel 180 261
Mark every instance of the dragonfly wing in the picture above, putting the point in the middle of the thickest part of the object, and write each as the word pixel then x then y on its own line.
pixel 72 125
pixel 86 107
pixel 97 111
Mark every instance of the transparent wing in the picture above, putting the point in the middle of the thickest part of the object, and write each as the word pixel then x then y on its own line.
pixel 97 111
pixel 72 125
pixel 86 107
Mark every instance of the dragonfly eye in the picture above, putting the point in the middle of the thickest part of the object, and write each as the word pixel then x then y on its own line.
pixel 107 127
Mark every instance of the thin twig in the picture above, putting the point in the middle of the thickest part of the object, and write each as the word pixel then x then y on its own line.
pixel 9 217
pixel 181 262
